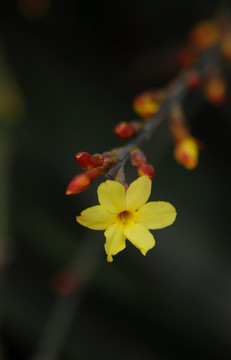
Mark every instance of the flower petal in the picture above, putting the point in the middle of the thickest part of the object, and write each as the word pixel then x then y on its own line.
pixel 138 193
pixel 140 237
pixel 111 196
pixel 115 241
pixel 96 218
pixel 156 214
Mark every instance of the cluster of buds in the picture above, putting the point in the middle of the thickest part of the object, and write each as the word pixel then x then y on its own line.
pixel 139 160
pixel 213 85
pixel 146 105
pixel 205 36
pixel 186 150
pixel 125 130
pixel 94 166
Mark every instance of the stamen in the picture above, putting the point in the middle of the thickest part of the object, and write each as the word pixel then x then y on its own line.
pixel 125 216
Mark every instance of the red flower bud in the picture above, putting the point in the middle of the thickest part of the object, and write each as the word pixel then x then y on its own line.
pixel 215 90
pixel 86 161
pixel 124 130
pixel 147 170
pixel 193 80
pixel 204 35
pixel 108 159
pixel 82 181
pixel 137 157
pixel 136 126
pixel 185 57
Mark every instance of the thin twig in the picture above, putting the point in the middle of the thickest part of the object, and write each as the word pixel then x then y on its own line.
pixel 176 90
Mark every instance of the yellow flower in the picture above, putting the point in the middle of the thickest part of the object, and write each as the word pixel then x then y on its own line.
pixel 126 215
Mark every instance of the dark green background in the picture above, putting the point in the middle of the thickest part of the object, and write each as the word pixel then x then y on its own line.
pixel 78 70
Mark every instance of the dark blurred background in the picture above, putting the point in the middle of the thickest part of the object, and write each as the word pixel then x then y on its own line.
pixel 69 71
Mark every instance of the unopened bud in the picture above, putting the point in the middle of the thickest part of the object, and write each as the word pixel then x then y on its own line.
pixel 82 181
pixel 147 170
pixel 137 157
pixel 109 159
pixel 148 103
pixel 136 126
pixel 187 152
pixel 87 161
pixel 204 35
pixel 185 57
pixel 123 130
pixel 215 90
pixel 193 80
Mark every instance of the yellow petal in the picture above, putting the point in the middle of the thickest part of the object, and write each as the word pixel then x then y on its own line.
pixel 156 214
pixel 111 196
pixel 96 218
pixel 138 193
pixel 115 241
pixel 140 237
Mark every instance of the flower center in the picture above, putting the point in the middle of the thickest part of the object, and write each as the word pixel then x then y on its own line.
pixel 125 216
